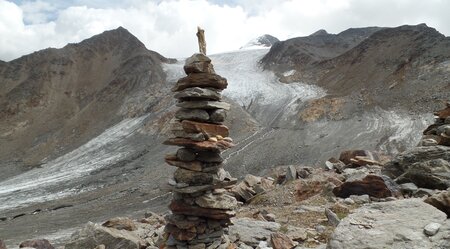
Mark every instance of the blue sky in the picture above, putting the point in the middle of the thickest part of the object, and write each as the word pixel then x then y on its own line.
pixel 169 26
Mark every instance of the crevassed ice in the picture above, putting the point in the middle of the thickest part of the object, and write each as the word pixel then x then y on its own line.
pixel 56 178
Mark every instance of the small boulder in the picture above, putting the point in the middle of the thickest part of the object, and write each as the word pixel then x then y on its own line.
pixel 38 244
pixel 93 235
pixel 333 219
pixel 441 201
pixel 426 166
pixel 251 232
pixel 431 229
pixel 281 241
pixel 120 223
pixel 291 173
pixel 372 185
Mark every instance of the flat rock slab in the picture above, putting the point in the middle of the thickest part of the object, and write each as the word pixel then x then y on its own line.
pixel 211 130
pixel 198 93
pixel 201 80
pixel 251 232
pixel 202 145
pixel 395 224
pixel 204 105
pixel 179 207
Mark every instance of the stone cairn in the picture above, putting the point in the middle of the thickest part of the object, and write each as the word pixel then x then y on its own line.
pixel 201 206
pixel 439 132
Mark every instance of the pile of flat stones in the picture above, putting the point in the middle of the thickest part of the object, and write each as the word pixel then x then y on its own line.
pixel 202 205
pixel 439 132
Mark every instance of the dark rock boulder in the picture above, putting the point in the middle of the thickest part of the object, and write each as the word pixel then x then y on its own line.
pixel 372 185
pixel 38 244
pixel 427 167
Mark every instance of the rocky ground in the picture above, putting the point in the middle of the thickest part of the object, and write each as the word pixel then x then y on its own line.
pixel 361 200
pixel 84 145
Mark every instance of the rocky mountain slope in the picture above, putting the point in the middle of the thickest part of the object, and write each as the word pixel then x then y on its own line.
pixel 55 100
pixel 82 126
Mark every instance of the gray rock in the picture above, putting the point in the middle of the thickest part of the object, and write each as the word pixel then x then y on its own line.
pixel 443 129
pixel 291 173
pixel 360 199
pixel 396 224
pixel 192 114
pixel 204 105
pixel 447 120
pixel 93 235
pixel 192 136
pixel 218 115
pixel 251 232
pixel 349 201
pixel 198 93
pixel 431 229
pixel 186 155
pixel 209 157
pixel 422 192
pixel 333 219
pixel 408 188
pixel 427 167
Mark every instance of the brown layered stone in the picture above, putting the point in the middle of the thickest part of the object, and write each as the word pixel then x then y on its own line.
pixel 444 113
pixel 180 207
pixel 193 165
pixel 201 80
pixel 199 67
pixel 372 185
pixel 215 146
pixel 211 130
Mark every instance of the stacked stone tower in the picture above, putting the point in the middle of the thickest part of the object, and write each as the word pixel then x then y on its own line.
pixel 201 206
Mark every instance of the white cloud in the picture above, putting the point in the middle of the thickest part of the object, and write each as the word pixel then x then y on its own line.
pixel 169 26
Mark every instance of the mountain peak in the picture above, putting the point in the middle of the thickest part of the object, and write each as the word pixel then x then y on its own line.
pixel 119 37
pixel 265 40
pixel 319 32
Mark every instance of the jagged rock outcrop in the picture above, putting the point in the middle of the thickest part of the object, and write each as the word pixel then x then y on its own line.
pixel 394 224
